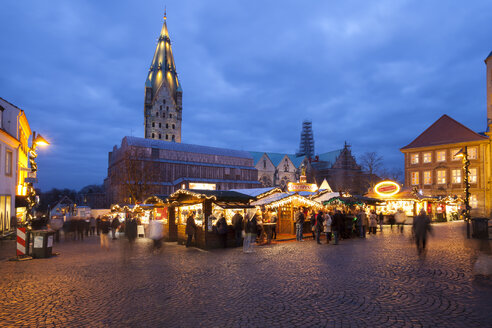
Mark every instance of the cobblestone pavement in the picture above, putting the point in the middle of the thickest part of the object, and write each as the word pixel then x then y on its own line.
pixel 377 282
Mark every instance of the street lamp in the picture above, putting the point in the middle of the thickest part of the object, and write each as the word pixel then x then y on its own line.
pixel 463 153
pixel 37 140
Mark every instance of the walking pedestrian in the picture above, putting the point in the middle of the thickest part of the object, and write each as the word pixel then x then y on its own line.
pixel 318 226
pixel 250 231
pixel 114 225
pixel 327 226
pixel 300 224
pixel 131 230
pixel 98 224
pixel 222 230
pixel 373 223
pixel 274 219
pixel 362 222
pixel 155 233
pixel 80 228
pixel 336 224
pixel 400 218
pixel 391 220
pixel 312 221
pixel 190 228
pixel 93 225
pixel 104 232
pixel 421 226
pixel 381 221
pixel 237 224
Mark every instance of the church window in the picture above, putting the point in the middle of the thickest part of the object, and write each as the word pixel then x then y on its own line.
pixel 164 101
pixel 153 135
pixel 167 126
pixel 163 115
pixel 160 107
pixel 153 124
pixel 160 125
pixel 157 114
pixel 173 127
pixel 264 163
pixel 167 107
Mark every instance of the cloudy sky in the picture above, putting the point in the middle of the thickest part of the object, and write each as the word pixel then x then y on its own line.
pixel 372 73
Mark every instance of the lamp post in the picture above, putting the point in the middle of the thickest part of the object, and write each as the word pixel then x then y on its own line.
pixel 463 153
pixel 37 140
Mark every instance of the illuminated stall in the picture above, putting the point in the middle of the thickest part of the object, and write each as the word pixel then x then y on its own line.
pixel 203 203
pixel 286 204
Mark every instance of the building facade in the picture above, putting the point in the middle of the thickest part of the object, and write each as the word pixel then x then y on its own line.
pixel 140 168
pixel 276 169
pixel 163 93
pixel 14 150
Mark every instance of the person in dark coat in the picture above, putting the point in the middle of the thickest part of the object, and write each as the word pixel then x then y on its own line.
pixel 80 228
pixel 131 230
pixel 336 224
pixel 250 229
pixel 274 219
pixel 299 224
pixel 421 226
pixel 104 232
pixel 98 225
pixel 237 223
pixel 190 228
pixel 318 226
pixel 312 220
pixel 222 230
pixel 114 225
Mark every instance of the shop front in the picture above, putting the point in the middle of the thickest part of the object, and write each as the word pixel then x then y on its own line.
pixel 202 204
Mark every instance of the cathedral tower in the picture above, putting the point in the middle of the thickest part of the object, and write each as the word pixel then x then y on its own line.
pixel 306 146
pixel 163 93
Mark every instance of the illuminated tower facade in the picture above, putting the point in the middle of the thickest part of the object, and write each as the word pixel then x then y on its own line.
pixel 163 93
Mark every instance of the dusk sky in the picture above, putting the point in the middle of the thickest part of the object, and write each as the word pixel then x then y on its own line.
pixel 373 73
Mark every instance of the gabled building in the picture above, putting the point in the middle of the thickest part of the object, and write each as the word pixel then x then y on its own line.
pixel 277 169
pixel 14 150
pixel 431 164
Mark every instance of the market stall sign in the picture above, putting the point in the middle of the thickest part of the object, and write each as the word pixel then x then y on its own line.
pixel 296 187
pixel 387 188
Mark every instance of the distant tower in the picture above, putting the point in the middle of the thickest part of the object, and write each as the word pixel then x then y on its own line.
pixel 306 147
pixel 163 93
pixel 488 62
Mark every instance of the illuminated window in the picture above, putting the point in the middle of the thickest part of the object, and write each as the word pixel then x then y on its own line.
pixel 415 178
pixel 427 178
pixel 472 177
pixel 473 201
pixel 453 154
pixel 8 163
pixel 441 176
pixel 441 156
pixel 427 157
pixel 472 153
pixel 456 176
pixel 414 158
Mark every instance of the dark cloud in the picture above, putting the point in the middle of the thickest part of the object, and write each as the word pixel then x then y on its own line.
pixel 374 74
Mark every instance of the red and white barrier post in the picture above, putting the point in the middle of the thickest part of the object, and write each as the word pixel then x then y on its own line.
pixel 22 242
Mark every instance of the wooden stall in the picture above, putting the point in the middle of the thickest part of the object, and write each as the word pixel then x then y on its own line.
pixel 204 203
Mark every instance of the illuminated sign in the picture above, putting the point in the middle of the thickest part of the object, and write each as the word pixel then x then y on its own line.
pixel 202 186
pixel 387 188
pixel 296 187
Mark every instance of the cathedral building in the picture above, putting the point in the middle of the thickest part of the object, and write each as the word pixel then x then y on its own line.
pixel 163 93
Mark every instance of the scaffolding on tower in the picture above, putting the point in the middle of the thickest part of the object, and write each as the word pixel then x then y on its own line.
pixel 306 147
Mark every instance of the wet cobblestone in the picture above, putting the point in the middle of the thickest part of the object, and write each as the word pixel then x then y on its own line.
pixel 377 282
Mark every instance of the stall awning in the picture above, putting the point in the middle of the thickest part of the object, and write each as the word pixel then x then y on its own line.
pixel 233 205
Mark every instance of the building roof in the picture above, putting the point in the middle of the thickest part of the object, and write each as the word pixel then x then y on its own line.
pixel 444 131
pixel 488 56
pixel 330 156
pixel 297 161
pixel 163 67
pixel 276 158
pixel 189 148
pixel 255 192
pixel 256 156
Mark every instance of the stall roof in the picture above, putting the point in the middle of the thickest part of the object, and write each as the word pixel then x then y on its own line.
pixel 271 198
pixel 352 200
pixel 216 195
pixel 258 192
pixel 278 199
pixel 404 194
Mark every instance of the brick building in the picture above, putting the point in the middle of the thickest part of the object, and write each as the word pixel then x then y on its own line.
pixel 142 167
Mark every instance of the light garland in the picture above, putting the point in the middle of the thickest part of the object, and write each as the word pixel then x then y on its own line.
pixel 291 199
pixel 268 193
pixel 190 193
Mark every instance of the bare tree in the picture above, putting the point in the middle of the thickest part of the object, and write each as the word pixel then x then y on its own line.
pixel 371 163
pixel 394 174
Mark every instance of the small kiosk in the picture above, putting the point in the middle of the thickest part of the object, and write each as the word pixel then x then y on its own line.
pixel 204 203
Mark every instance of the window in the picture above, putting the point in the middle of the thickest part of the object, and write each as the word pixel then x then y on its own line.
pixel 160 107
pixel 1 116
pixel 441 176
pixel 167 137
pixel 167 107
pixel 472 177
pixel 173 126
pixel 156 114
pixel 472 152
pixel 164 101
pixel 456 176
pixel 427 158
pixel 8 162
pixel 173 138
pixel 473 201
pixel 153 124
pixel 264 163
pixel 415 178
pixel 167 126
pixel 159 136
pixel 427 178
pixel 163 115
pixel 160 125
pixel 414 158
pixel 170 115
pixel 441 156
pixel 454 151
